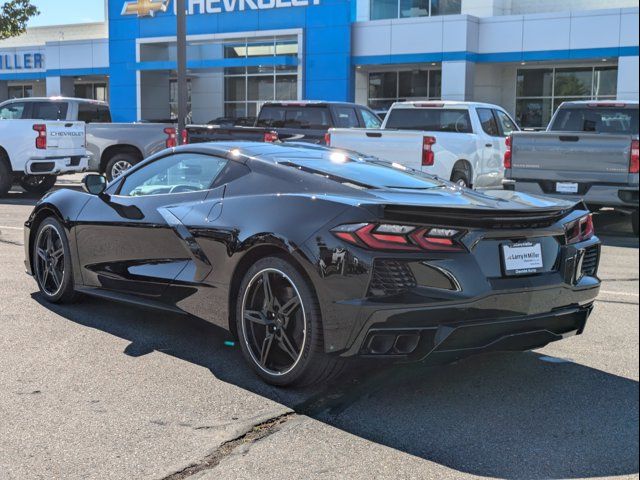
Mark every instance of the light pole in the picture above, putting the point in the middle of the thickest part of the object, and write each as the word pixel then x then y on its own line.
pixel 183 94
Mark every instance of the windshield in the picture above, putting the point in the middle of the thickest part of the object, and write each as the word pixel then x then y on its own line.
pixel 597 120
pixel 430 119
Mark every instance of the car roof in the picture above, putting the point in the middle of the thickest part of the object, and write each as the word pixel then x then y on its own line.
pixel 58 99
pixel 443 104
pixel 612 102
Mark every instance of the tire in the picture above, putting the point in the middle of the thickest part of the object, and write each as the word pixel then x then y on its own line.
pixel 6 178
pixel 301 330
pixel 53 274
pixel 120 163
pixel 461 178
pixel 634 222
pixel 38 184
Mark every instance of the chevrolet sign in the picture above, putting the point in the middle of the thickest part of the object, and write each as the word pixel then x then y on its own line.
pixel 149 8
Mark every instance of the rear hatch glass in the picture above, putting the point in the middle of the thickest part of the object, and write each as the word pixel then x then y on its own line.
pixel 430 119
pixel 622 121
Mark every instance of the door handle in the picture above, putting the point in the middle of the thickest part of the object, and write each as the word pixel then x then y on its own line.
pixel 488 145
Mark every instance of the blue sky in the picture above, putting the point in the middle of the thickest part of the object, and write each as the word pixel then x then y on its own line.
pixel 58 12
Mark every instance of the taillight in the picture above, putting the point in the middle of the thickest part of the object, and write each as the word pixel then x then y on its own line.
pixel 172 137
pixel 406 238
pixel 41 139
pixel 327 139
pixel 271 137
pixel 508 154
pixel 634 158
pixel 579 230
pixel 185 137
pixel 428 155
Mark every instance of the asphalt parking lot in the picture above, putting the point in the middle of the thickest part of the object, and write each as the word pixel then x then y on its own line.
pixel 103 391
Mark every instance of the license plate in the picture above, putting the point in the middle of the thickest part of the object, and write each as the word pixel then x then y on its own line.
pixel 566 187
pixel 522 258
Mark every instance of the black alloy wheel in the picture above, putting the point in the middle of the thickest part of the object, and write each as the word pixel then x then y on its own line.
pixel 279 325
pixel 52 262
pixel 274 323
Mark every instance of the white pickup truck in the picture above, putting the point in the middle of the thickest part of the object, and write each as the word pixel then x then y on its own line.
pixel 463 142
pixel 34 152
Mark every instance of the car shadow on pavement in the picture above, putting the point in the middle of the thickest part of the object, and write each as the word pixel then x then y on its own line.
pixel 614 229
pixel 503 415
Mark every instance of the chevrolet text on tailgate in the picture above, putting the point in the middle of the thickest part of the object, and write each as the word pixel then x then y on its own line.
pixel 589 152
pixel 462 142
pixel 34 152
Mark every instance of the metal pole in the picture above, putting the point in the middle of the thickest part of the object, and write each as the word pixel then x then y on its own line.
pixel 183 94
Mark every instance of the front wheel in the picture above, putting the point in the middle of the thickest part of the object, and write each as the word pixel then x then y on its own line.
pixel 38 184
pixel 52 262
pixel 279 325
pixel 461 179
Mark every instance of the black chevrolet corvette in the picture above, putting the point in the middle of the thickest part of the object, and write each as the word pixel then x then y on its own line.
pixel 310 256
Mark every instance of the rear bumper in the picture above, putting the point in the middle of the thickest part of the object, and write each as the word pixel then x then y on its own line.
pixel 56 165
pixel 450 342
pixel 601 195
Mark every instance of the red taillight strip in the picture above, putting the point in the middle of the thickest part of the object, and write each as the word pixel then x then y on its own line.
pixel 438 244
pixel 508 153
pixel 634 157
pixel 381 241
pixel 579 230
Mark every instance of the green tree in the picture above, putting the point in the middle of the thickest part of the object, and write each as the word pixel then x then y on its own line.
pixel 14 16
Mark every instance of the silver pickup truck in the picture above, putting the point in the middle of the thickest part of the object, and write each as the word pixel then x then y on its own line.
pixel 113 147
pixel 589 152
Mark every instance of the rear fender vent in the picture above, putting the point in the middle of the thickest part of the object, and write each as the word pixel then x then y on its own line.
pixel 590 261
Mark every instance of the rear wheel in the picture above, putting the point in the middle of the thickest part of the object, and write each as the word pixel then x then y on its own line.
pixel 38 184
pixel 119 164
pixel 6 178
pixel 461 179
pixel 280 327
pixel 52 262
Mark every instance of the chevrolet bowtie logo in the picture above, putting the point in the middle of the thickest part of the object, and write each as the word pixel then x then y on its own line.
pixel 145 8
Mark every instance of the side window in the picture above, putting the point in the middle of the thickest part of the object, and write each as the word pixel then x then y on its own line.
pixel 13 111
pixel 271 117
pixel 488 121
pixel 93 113
pixel 507 126
pixel 49 110
pixel 371 120
pixel 346 117
pixel 179 173
pixel 104 114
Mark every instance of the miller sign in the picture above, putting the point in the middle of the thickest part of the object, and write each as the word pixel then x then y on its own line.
pixel 149 8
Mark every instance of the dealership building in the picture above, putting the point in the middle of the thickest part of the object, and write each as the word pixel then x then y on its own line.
pixel 525 55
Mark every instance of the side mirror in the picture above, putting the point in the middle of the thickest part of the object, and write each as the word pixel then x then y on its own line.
pixel 94 184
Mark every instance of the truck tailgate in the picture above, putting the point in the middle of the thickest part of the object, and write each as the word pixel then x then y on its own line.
pixel 66 138
pixel 571 157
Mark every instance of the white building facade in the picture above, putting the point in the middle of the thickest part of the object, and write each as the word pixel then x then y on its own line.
pixel 527 56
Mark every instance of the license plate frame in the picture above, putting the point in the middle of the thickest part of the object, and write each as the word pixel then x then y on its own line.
pixel 521 258
pixel 570 188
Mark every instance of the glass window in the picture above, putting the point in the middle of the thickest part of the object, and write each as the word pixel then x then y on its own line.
pixel 534 113
pixel 20 91
pixel 286 87
pixel 414 8
pixel 180 173
pixel 346 117
pixel 507 126
pixel 446 7
pixel 260 88
pixel 371 120
pixel 383 85
pixel 535 82
pixel 598 120
pixel 488 122
pixel 430 119
pixel 49 110
pixel 173 98
pixel 312 118
pixel 414 84
pixel 13 111
pixel 605 82
pixel 381 9
pixel 573 82
pixel 93 113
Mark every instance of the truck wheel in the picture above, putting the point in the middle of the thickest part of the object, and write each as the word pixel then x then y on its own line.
pixel 6 179
pixel 119 164
pixel 461 179
pixel 38 184
pixel 634 222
